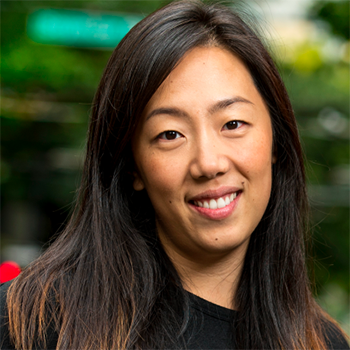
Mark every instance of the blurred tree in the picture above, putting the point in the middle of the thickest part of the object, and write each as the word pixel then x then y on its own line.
pixel 317 80
pixel 46 96
pixel 335 13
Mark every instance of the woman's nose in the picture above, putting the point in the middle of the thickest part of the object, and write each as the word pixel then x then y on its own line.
pixel 209 160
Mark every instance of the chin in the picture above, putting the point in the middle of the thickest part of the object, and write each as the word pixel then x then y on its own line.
pixel 224 244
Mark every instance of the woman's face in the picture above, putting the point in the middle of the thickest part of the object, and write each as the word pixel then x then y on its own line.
pixel 203 153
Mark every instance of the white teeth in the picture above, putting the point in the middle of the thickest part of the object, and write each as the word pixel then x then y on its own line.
pixel 213 204
pixel 221 203
pixel 218 203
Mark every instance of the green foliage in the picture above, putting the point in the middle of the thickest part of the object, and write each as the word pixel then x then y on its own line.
pixel 336 14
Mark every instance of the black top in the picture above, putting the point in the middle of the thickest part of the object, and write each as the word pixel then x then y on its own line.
pixel 210 327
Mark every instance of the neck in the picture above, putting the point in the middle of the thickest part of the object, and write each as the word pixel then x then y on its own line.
pixel 213 279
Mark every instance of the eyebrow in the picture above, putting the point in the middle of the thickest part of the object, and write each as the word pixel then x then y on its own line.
pixel 226 103
pixel 176 112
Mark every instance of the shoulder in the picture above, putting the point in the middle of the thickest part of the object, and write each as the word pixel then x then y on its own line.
pixel 4 332
pixel 3 291
pixel 335 339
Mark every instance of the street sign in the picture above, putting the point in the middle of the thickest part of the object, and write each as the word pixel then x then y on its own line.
pixel 79 28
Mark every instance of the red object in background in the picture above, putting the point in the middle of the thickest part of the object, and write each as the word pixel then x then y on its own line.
pixel 8 271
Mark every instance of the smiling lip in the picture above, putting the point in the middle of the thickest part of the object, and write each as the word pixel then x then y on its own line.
pixel 216 204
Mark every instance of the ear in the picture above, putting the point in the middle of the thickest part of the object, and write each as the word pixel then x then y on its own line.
pixel 274 159
pixel 137 183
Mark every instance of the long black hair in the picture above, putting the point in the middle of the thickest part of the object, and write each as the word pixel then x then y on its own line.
pixel 106 282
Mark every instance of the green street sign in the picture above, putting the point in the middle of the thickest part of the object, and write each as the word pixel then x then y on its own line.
pixel 79 28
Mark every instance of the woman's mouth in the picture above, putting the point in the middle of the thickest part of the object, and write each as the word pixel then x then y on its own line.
pixel 216 208
pixel 218 203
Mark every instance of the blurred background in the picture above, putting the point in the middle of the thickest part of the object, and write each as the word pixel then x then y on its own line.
pixel 52 56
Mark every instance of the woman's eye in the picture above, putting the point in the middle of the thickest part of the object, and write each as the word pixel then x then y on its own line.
pixel 233 124
pixel 169 135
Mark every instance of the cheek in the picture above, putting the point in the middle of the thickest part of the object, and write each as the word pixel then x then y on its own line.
pixel 256 159
pixel 256 166
pixel 161 174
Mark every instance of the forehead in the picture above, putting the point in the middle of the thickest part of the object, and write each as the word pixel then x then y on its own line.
pixel 207 74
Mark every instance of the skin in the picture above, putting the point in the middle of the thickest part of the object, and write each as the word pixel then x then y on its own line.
pixel 209 149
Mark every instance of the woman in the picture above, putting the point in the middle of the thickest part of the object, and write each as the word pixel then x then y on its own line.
pixel 189 231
